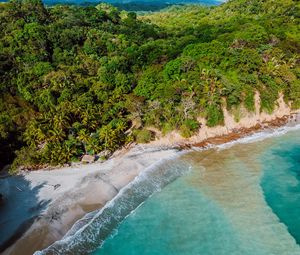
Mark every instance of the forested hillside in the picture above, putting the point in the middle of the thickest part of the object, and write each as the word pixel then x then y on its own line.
pixel 80 80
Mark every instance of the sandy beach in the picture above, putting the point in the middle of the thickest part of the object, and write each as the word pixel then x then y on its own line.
pixel 72 192
pixel 80 189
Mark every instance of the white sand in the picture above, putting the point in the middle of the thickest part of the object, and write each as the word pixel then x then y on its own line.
pixel 83 188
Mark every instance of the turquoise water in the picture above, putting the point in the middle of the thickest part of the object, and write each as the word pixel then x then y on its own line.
pixel 174 222
pixel 240 200
pixel 281 181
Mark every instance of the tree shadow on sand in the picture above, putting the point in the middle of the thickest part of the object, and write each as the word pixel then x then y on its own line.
pixel 19 208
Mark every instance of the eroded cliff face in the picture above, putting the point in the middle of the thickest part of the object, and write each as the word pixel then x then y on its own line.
pixel 235 120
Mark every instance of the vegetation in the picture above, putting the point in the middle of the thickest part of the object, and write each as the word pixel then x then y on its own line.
pixel 77 80
pixel 143 136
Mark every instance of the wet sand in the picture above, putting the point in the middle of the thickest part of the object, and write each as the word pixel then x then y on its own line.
pixel 82 189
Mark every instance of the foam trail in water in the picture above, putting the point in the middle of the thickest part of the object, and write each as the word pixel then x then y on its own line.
pixel 91 235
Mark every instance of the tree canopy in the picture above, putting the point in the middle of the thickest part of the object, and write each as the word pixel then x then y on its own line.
pixel 77 80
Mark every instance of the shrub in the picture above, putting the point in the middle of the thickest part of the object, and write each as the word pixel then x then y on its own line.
pixel 143 136
pixel 26 157
pixel 249 101
pixel 189 128
pixel 214 115
pixel 166 128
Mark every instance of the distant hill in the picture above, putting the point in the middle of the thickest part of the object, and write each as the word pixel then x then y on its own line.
pixel 146 2
pixel 136 6
pixel 139 5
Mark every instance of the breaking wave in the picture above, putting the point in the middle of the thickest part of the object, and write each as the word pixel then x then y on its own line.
pixel 89 233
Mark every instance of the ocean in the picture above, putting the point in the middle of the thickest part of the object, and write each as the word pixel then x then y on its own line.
pixel 238 198
pixel 244 199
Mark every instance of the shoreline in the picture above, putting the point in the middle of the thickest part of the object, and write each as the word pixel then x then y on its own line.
pixel 82 227
pixel 81 190
pixel 78 184
pixel 244 132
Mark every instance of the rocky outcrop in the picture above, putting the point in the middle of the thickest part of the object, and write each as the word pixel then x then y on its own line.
pixel 87 159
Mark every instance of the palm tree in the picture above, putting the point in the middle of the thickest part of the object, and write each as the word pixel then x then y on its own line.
pixel 84 138
pixel 56 134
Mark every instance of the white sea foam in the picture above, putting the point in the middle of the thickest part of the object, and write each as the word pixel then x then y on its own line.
pixel 84 239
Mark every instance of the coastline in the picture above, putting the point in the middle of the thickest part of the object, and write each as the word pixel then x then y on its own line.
pixel 244 132
pixel 85 188
pixel 247 123
pixel 81 190
pixel 87 231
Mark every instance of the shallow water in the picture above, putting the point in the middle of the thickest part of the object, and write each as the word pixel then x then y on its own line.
pixel 240 200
